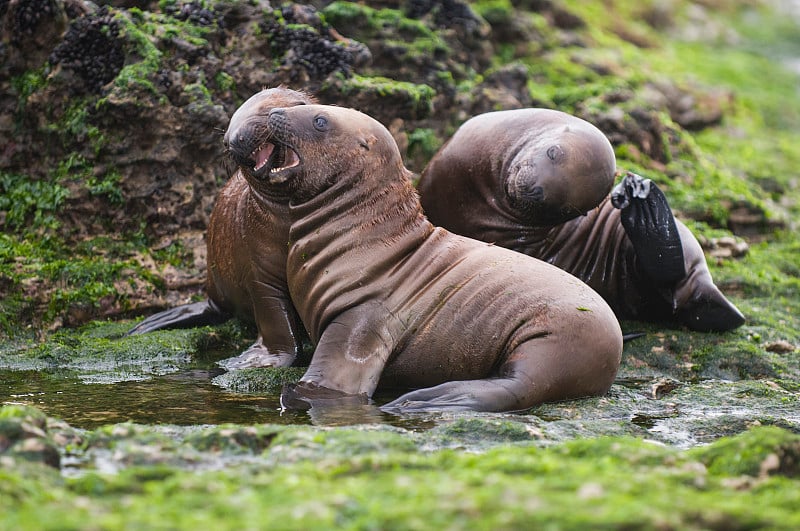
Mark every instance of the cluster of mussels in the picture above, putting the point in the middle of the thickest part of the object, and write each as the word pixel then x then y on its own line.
pixel 307 48
pixel 92 48
pixel 193 12
pixel 446 13
pixel 27 15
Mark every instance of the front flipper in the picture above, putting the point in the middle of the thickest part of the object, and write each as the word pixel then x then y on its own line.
pixel 278 343
pixel 326 407
pixel 258 355
pixel 650 225
pixel 307 395
pixel 186 316
pixel 351 354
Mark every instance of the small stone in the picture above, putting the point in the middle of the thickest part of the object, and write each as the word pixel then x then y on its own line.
pixel 780 347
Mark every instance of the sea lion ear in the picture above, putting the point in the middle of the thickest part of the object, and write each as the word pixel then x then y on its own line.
pixel 367 142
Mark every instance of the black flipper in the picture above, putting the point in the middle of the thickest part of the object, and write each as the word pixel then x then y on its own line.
pixel 709 311
pixel 631 336
pixel 185 316
pixel 650 225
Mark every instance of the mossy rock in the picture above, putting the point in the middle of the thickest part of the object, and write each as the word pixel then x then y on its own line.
pixel 24 437
pixel 758 452
pixel 262 380
pixel 480 433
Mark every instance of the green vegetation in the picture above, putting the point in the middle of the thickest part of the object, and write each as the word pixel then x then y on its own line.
pixel 30 205
pixel 423 144
pixel 385 479
pixel 415 98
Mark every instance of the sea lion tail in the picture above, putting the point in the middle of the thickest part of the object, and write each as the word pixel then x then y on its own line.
pixel 186 316
pixel 650 225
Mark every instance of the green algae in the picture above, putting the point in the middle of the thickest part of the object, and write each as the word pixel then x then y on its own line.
pixel 105 344
pixel 373 23
pixel 480 432
pixel 758 452
pixel 384 479
pixel 30 205
pixel 423 143
pixel 415 98
pixel 262 380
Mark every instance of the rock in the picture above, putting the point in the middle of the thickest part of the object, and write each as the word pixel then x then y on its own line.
pixel 781 346
pixel 24 436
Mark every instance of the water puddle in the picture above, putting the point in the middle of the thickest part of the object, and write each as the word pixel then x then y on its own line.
pixel 185 397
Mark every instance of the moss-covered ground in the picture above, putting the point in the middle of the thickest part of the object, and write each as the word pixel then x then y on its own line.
pixel 271 477
pixel 699 432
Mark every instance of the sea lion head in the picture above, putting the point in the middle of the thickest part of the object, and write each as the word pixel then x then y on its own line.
pixel 247 132
pixel 312 146
pixel 561 174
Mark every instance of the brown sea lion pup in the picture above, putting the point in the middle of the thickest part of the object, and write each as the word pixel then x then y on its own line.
pixel 388 298
pixel 247 237
pixel 646 264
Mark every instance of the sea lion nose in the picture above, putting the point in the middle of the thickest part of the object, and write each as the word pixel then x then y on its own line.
pixel 235 139
pixel 276 119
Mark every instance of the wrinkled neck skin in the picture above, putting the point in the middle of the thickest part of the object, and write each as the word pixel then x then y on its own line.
pixel 344 240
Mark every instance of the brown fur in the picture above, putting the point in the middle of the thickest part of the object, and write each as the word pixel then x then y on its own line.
pixel 388 298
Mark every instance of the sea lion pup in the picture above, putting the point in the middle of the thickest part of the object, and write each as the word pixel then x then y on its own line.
pixel 521 178
pixel 387 297
pixel 246 244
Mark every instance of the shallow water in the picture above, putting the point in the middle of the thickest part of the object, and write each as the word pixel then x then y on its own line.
pixel 184 397
pixel 96 377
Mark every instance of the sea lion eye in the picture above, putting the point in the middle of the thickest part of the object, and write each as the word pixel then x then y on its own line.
pixel 555 153
pixel 321 123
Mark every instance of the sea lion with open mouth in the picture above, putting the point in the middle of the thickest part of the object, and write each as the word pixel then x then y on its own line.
pixel 537 181
pixel 247 245
pixel 390 299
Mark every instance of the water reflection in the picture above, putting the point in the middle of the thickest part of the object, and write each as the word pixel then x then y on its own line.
pixel 185 397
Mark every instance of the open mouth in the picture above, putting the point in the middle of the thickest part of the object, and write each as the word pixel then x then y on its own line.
pixel 273 159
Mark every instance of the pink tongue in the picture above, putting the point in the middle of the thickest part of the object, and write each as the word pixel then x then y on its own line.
pixel 262 155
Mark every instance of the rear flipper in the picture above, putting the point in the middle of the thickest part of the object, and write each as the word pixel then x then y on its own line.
pixel 186 316
pixel 650 225
pixel 709 311
pixel 491 394
pixel 697 302
pixel 541 370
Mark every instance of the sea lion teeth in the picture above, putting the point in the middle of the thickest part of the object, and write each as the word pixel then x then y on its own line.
pixel 262 155
pixel 293 160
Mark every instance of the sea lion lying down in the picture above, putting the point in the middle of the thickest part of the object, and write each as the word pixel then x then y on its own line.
pixel 537 181
pixel 247 238
pixel 390 299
